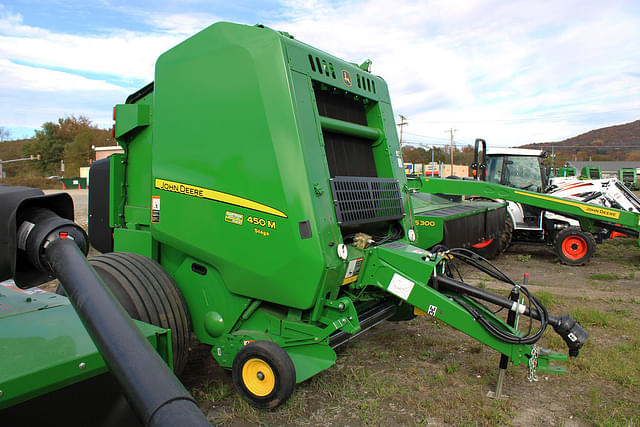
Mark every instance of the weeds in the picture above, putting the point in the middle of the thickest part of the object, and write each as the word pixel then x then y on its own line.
pixel 453 368
pixel 524 258
pixel 592 317
pixel 546 298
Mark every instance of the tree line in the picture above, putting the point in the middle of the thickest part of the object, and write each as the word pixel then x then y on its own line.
pixel 69 141
pixel 461 156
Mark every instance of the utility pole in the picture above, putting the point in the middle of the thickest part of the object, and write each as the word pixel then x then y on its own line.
pixel 31 157
pixel 402 124
pixel 451 131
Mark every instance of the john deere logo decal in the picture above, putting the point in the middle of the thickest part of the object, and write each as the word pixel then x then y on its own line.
pixel 346 77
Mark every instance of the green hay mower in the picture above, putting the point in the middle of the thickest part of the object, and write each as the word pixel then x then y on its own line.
pixel 261 204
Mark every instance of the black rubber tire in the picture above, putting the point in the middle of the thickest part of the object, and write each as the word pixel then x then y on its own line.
pixel 498 244
pixel 282 369
pixel 574 246
pixel 149 294
pixel 505 239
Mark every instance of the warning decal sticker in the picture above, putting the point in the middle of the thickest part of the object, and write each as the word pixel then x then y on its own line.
pixel 400 286
pixel 155 209
pixel 353 269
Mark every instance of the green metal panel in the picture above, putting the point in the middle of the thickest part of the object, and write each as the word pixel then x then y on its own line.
pixel 591 172
pixel 126 240
pixel 44 346
pixel 566 171
pixel 227 91
pixel 214 310
pixel 131 117
pixel 585 212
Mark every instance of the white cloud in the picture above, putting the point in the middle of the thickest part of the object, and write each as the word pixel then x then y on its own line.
pixel 489 67
pixel 31 96
pixel 40 79
pixel 512 72
pixel 120 53
pixel 181 24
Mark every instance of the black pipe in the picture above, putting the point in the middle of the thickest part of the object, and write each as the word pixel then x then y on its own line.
pixel 570 331
pixel 511 321
pixel 447 283
pixel 154 392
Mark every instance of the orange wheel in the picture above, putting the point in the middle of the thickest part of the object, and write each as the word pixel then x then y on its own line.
pixel 574 247
pixel 483 244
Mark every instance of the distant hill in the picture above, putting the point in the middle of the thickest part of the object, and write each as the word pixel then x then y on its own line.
pixel 619 142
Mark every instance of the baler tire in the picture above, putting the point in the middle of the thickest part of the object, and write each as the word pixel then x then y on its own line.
pixel 574 246
pixel 505 238
pixel 149 294
pixel 263 374
pixel 488 249
pixel 497 245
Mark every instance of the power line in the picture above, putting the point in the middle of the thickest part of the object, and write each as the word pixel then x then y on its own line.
pixel 427 136
pixel 402 124
pixel 530 118
pixel 451 131
pixel 597 147
pixel 429 144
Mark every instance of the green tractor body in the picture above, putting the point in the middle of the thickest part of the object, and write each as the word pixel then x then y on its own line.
pixel 565 171
pixel 628 177
pixel 591 172
pixel 266 177
pixel 44 347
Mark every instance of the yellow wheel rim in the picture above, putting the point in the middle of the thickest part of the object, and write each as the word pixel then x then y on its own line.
pixel 258 377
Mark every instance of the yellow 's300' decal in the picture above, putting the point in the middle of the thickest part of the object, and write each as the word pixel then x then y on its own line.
pixel 205 193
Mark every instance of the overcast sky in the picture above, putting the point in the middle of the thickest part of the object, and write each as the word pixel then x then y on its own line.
pixel 510 71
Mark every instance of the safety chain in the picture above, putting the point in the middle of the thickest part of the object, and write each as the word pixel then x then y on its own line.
pixel 533 364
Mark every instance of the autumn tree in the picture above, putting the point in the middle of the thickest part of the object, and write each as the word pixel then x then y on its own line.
pixel 420 155
pixel 69 140
pixel 50 146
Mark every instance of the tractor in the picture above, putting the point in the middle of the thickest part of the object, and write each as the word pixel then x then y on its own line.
pixel 542 210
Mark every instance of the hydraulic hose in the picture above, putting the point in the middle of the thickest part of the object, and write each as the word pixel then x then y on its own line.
pixel 154 392
pixel 570 331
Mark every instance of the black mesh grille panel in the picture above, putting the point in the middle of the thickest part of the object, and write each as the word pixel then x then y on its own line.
pixel 340 106
pixel 360 200
pixel 348 155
